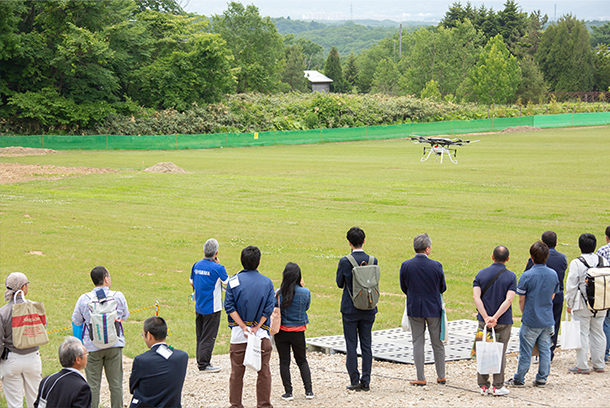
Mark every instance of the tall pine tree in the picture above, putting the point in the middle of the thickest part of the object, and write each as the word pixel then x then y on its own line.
pixel 334 71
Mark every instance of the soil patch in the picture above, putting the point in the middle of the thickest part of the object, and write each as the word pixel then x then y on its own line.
pixel 165 167
pixel 515 129
pixel 16 173
pixel 13 151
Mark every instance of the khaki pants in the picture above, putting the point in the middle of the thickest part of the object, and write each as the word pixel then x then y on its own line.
pixel 236 380
pixel 19 373
pixel 502 336
pixel 111 360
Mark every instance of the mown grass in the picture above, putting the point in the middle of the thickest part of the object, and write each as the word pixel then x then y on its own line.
pixel 296 203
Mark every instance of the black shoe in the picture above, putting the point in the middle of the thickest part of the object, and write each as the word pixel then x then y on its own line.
pixel 514 383
pixel 309 394
pixel 354 387
pixel 364 387
pixel 288 397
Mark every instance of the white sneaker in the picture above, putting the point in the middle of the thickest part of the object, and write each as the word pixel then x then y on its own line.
pixel 485 390
pixel 499 391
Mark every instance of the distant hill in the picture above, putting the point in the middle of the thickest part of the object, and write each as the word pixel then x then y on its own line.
pixel 347 36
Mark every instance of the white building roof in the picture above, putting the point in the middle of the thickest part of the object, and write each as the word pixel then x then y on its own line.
pixel 316 77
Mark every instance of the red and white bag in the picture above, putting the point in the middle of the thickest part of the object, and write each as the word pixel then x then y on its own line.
pixel 29 321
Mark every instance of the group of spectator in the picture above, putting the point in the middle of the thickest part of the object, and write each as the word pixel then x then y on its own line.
pixel 540 289
pixel 157 376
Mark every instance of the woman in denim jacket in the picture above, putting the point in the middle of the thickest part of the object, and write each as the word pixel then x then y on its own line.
pixel 293 300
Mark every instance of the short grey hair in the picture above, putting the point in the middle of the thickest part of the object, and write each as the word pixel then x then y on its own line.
pixel 69 350
pixel 421 242
pixel 210 248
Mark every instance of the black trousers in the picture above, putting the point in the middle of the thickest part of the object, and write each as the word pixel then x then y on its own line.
pixel 206 327
pixel 283 342
pixel 358 327
pixel 557 310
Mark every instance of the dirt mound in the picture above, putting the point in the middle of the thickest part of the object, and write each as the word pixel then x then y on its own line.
pixel 515 129
pixel 165 167
pixel 25 151
pixel 15 172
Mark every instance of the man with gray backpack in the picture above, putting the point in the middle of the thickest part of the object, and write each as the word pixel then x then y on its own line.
pixel 358 276
pixel 101 312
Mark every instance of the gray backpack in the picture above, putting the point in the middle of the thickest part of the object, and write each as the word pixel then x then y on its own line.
pixel 365 284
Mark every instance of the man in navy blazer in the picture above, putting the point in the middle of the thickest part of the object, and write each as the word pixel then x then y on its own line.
pixel 423 281
pixel 357 323
pixel 559 263
pixel 157 376
pixel 68 387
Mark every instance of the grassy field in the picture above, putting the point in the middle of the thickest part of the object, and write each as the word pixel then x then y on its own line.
pixel 296 203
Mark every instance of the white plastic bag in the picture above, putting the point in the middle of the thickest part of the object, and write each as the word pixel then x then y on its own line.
pixel 489 354
pixel 406 325
pixel 570 334
pixel 252 358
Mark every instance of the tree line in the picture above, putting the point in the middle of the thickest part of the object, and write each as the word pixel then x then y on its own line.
pixel 69 65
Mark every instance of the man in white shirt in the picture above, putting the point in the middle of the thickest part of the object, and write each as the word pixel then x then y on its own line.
pixel 591 324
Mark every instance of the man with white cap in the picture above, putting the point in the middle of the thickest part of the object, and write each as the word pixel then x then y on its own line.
pixel 20 369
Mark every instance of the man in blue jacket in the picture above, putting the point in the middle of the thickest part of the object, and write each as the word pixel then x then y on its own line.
pixel 559 263
pixel 157 376
pixel 249 302
pixel 423 281
pixel 207 278
pixel 357 323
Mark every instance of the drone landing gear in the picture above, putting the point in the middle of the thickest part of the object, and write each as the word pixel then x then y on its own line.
pixel 439 151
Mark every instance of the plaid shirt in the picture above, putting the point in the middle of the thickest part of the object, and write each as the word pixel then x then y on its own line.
pixel 82 315
pixel 604 252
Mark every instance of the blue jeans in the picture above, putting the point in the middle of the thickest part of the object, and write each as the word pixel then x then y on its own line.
pixel 528 337
pixel 607 333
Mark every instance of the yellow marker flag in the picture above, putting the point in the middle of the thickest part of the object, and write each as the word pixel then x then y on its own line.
pixel 255 135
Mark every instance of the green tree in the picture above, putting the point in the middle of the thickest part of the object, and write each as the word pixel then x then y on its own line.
pixel 387 79
pixel 600 35
pixel 162 6
pixel 497 75
pixel 256 46
pixel 187 64
pixel 431 91
pixel 446 56
pixel 333 70
pixel 602 65
pixel 512 23
pixel 565 57
pixel 368 60
pixel 529 42
pixel 292 74
pixel 458 14
pixel 312 53
pixel 351 71
pixel 532 86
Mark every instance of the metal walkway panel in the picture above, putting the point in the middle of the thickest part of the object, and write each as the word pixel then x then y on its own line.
pixel 395 344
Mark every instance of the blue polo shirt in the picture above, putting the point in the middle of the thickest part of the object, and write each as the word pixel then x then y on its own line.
pixel 538 285
pixel 496 294
pixel 207 277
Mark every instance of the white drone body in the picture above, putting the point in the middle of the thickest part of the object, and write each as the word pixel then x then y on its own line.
pixel 440 146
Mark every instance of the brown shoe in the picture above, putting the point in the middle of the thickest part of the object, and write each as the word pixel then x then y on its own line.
pixel 420 383
pixel 441 380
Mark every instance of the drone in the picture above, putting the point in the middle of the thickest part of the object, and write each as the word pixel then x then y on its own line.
pixel 440 146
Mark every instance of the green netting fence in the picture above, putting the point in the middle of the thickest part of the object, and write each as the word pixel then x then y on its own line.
pixel 209 141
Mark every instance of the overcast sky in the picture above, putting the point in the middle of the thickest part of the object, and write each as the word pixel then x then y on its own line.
pixel 397 10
